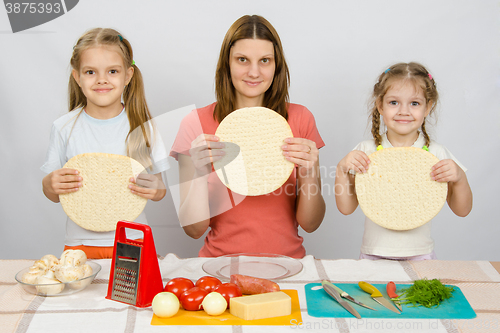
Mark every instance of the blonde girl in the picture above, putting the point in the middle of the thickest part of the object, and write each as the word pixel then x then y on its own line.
pixel 404 96
pixel 251 71
pixel 103 73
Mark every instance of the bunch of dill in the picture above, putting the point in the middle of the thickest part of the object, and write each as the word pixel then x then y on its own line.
pixel 429 293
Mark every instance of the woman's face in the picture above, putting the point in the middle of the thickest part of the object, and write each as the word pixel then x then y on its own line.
pixel 252 70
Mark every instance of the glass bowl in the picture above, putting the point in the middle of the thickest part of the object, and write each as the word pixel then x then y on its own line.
pixel 52 289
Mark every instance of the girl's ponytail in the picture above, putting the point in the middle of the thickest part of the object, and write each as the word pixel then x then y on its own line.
pixel 375 114
pixel 376 126
pixel 426 136
pixel 139 138
pixel 76 97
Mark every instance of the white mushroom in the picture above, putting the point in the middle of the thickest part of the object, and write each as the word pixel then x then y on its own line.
pixel 88 270
pixel 37 269
pixel 68 273
pixel 31 276
pixel 73 258
pixel 40 265
pixel 53 286
pixel 49 274
pixel 82 284
pixel 50 261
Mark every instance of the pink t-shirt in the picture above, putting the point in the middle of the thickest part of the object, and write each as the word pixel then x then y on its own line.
pixel 254 224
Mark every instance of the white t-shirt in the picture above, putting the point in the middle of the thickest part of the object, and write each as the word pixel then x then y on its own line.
pixel 91 135
pixel 393 243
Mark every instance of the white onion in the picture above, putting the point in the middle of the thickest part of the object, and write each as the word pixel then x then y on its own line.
pixel 165 304
pixel 214 304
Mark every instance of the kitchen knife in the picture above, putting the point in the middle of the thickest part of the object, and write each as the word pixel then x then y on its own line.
pixel 377 296
pixel 391 291
pixel 346 295
pixel 335 295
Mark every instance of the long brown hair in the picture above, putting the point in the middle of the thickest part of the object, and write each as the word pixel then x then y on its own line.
pixel 138 140
pixel 276 97
pixel 413 72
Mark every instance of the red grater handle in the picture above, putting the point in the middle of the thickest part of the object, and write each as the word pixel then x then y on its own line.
pixel 149 281
pixel 122 225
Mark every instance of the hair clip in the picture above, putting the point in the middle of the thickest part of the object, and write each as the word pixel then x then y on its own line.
pixel 388 69
pixel 133 62
pixel 379 147
pixel 425 148
pixel 121 38
pixel 430 76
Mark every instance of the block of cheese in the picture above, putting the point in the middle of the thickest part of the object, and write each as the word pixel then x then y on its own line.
pixel 261 306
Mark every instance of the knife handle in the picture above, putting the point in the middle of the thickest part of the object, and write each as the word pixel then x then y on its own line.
pixel 391 290
pixel 340 291
pixel 374 292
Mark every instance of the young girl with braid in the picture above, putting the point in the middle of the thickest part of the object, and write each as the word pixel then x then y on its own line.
pixel 404 96
pixel 104 72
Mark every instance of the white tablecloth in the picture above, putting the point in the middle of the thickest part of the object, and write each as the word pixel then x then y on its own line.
pixel 89 311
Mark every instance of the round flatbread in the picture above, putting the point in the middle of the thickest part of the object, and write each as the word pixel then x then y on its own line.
pixel 104 198
pixel 397 191
pixel 254 163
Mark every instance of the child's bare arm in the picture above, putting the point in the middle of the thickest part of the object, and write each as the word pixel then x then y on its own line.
pixel 459 193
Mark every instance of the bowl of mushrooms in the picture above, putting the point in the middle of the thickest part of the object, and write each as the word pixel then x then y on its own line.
pixel 51 276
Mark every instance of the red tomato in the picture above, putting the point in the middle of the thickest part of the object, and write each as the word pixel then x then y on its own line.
pixel 191 299
pixel 178 285
pixel 208 283
pixel 228 290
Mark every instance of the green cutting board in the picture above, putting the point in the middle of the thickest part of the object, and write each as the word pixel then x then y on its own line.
pixel 320 304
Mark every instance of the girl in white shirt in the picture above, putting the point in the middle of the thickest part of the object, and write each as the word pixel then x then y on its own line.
pixel 104 72
pixel 404 96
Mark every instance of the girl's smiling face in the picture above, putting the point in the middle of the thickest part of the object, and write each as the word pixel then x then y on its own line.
pixel 102 77
pixel 252 70
pixel 403 109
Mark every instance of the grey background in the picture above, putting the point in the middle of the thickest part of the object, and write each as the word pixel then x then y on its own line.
pixel 335 50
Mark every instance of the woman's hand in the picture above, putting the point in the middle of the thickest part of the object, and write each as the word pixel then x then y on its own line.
pixel 302 152
pixel 194 211
pixel 356 160
pixel 310 205
pixel 61 181
pixel 205 149
pixel 447 171
pixel 148 186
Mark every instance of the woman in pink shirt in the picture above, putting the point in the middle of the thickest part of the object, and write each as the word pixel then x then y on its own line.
pixel 251 72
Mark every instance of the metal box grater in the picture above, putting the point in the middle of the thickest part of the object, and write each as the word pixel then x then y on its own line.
pixel 135 274
pixel 127 263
